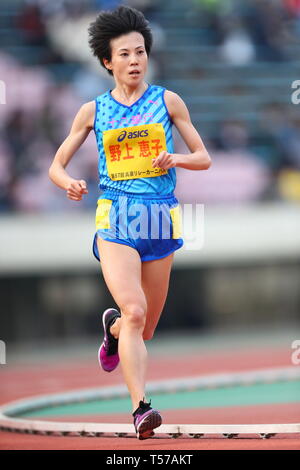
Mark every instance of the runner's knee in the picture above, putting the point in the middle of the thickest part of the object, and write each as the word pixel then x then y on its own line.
pixel 134 315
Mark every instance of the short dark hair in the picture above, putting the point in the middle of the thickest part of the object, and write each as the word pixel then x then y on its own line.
pixel 112 24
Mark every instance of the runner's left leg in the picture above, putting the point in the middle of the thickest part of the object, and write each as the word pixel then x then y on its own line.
pixel 155 284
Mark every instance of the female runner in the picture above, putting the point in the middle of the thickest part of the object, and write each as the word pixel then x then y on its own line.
pixel 137 217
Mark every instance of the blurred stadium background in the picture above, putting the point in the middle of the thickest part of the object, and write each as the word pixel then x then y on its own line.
pixel 234 62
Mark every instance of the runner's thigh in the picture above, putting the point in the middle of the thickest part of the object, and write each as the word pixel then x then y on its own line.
pixel 155 283
pixel 121 268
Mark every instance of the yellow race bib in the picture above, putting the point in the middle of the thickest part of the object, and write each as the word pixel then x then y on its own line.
pixel 129 151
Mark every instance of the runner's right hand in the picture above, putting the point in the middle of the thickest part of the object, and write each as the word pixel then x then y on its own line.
pixel 76 189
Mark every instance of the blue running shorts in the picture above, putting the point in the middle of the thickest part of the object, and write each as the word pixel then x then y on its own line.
pixel 151 224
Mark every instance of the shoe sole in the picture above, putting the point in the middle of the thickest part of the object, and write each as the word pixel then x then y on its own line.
pixel 145 428
pixel 103 318
pixel 104 329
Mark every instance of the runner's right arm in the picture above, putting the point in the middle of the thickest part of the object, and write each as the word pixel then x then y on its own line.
pixel 81 127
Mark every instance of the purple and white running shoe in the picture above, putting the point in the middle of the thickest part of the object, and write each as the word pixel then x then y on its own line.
pixel 145 419
pixel 108 356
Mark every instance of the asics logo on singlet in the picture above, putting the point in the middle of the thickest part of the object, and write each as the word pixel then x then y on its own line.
pixel 133 135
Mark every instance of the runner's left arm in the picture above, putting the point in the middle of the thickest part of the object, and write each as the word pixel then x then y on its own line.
pixel 199 158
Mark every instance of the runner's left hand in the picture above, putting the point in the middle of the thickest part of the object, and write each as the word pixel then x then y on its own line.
pixel 164 160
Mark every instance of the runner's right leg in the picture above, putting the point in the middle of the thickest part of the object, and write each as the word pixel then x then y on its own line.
pixel 121 269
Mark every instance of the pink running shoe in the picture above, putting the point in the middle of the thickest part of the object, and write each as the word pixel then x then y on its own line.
pixel 145 419
pixel 108 356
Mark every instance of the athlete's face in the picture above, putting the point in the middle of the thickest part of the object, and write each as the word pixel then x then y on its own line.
pixel 128 54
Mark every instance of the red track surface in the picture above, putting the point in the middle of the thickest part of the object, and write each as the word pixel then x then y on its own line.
pixel 24 381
